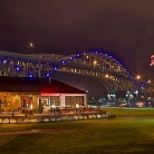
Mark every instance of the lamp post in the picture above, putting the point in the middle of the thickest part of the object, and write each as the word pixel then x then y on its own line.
pixel 128 96
pixel 77 108
pixel 31 46
pixel 138 77
pixel 150 91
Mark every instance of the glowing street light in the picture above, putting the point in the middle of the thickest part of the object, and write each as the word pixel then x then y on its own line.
pixel 106 76
pixel 149 81
pixel 31 46
pixel 138 77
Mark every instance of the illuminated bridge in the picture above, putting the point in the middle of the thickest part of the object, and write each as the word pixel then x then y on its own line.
pixel 99 65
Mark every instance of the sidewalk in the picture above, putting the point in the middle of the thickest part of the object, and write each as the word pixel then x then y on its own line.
pixel 35 131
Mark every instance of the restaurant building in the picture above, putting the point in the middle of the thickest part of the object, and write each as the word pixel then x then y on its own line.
pixel 18 93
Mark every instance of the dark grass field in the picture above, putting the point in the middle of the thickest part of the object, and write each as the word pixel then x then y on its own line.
pixel 132 131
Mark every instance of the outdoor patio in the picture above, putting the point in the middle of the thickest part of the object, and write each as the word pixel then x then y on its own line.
pixel 52 116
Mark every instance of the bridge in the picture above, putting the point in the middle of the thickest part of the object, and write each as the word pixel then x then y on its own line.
pixel 113 75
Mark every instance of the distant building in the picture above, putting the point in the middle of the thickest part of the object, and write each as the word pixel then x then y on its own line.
pixel 23 92
pixel 146 93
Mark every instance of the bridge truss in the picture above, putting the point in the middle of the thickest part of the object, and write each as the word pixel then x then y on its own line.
pixel 99 65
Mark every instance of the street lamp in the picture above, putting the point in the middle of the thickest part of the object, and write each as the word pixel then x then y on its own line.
pixel 31 46
pixel 149 81
pixel 106 76
pixel 138 77
pixel 77 108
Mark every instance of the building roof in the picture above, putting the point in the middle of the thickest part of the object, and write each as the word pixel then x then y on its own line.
pixel 37 85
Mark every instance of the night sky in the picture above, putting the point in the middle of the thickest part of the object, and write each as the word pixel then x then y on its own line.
pixel 123 29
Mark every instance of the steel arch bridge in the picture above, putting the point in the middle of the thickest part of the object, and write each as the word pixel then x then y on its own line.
pixel 99 65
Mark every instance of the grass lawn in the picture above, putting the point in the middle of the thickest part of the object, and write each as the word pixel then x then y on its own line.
pixel 132 132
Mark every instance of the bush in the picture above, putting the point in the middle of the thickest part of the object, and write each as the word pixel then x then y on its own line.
pixel 98 105
pixel 40 108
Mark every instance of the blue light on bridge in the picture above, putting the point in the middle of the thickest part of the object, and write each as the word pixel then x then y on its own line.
pixel 30 75
pixel 78 55
pixel 96 52
pixel 55 67
pixel 63 62
pixel 71 58
pixel 17 68
pixel 48 74
pixel 4 61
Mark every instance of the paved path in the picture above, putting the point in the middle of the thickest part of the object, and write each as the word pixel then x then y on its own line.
pixel 35 131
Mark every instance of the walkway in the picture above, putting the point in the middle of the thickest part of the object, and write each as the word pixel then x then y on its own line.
pixel 35 131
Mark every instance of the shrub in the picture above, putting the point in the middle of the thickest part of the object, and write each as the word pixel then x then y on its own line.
pixel 40 108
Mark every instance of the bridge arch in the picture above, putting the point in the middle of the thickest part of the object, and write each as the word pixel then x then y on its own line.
pixel 104 67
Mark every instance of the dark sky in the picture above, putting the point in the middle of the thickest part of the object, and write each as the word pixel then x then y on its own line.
pixel 122 28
